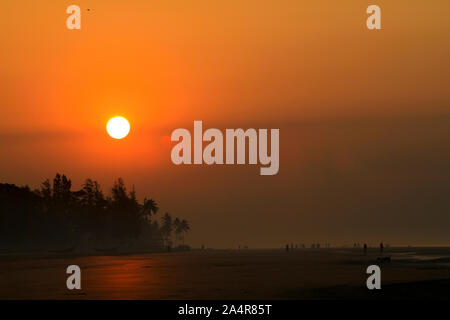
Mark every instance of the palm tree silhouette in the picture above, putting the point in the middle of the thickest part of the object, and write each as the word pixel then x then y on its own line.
pixel 178 229
pixel 148 208
pixel 184 226
pixel 166 228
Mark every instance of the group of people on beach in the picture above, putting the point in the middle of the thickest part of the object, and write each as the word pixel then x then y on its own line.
pixel 381 247
pixel 291 247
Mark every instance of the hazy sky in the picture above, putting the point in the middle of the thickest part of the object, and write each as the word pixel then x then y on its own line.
pixel 364 116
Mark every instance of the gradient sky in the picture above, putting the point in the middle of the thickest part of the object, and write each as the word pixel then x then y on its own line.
pixel 364 116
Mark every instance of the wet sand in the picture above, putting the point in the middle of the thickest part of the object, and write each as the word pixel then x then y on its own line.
pixel 230 274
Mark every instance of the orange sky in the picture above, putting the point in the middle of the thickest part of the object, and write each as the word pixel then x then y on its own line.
pixel 364 115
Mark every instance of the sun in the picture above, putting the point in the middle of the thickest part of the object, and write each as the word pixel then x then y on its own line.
pixel 118 127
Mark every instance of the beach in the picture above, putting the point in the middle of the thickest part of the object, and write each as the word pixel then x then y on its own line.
pixel 331 273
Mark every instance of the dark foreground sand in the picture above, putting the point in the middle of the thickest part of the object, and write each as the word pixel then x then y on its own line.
pixel 245 274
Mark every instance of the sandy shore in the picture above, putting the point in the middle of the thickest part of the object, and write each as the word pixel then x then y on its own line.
pixel 230 274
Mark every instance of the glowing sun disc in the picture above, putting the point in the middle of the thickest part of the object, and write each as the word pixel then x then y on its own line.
pixel 118 127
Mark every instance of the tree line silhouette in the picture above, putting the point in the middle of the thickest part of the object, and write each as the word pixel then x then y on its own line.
pixel 55 216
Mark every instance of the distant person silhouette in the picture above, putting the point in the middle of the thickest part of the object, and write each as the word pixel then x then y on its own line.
pixel 287 248
pixel 365 248
pixel 381 247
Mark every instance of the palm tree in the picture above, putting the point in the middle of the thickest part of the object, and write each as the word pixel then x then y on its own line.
pixel 148 208
pixel 166 228
pixel 178 230
pixel 184 226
